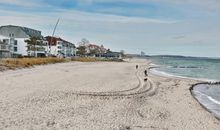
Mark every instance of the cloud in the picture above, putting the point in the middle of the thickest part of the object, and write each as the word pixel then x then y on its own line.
pixel 179 37
pixel 77 23
pixel 213 5
pixel 81 16
pixel 22 3
pixel 131 33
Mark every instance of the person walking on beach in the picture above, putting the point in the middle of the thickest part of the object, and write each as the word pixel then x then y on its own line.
pixel 145 72
pixel 136 66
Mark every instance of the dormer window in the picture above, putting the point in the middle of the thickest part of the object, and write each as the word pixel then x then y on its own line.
pixel 11 35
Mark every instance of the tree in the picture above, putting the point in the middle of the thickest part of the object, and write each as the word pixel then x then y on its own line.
pixel 83 42
pixel 109 51
pixel 94 51
pixel 142 53
pixel 81 50
pixel 32 42
pixel 122 53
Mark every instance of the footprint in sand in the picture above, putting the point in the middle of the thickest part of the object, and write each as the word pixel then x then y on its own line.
pixel 153 113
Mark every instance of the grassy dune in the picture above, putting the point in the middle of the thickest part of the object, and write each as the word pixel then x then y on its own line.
pixel 93 59
pixel 30 62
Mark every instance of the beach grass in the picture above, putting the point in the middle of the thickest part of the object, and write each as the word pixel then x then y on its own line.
pixel 14 63
pixel 29 62
pixel 94 59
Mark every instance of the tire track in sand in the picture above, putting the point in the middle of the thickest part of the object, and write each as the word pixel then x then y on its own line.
pixel 147 88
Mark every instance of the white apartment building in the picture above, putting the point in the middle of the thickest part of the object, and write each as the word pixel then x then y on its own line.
pixel 14 38
pixel 60 48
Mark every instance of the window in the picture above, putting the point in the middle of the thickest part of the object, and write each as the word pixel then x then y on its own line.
pixel 3 47
pixel 59 47
pixel 15 49
pixel 11 35
pixel 15 42
pixel 5 40
pixel 12 41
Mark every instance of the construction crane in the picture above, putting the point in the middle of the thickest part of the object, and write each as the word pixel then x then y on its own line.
pixel 51 39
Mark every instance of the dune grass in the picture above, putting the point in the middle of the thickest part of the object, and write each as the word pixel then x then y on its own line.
pixel 15 63
pixel 93 59
pixel 29 62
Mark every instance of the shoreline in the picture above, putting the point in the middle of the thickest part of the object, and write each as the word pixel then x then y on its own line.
pixel 165 74
pixel 45 97
pixel 199 81
pixel 201 104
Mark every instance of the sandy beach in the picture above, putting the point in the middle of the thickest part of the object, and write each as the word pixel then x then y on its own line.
pixel 98 96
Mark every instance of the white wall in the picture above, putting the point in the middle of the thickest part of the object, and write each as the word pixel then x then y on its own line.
pixel 22 46
pixel 63 49
pixel 53 50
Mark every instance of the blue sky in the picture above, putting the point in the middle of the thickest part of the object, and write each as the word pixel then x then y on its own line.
pixel 176 27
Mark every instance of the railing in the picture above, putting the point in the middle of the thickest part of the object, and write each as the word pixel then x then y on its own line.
pixel 4 47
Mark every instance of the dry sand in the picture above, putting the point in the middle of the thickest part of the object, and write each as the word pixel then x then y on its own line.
pixel 100 96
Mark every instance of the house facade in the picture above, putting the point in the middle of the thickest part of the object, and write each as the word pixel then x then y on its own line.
pixel 39 49
pixel 60 48
pixel 117 55
pixel 14 38
pixel 95 49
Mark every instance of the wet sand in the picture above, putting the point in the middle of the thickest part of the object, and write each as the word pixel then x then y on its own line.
pixel 99 96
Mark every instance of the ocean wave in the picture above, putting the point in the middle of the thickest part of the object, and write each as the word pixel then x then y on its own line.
pixel 165 74
pixel 188 67
pixel 208 97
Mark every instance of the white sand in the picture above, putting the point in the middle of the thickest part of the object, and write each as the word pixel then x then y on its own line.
pixel 101 96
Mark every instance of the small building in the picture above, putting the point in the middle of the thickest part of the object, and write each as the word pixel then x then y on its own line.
pixel 117 55
pixel 103 49
pixel 60 48
pixel 92 49
pixel 15 36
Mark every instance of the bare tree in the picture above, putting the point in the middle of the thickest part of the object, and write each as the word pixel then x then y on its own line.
pixel 122 53
pixel 83 42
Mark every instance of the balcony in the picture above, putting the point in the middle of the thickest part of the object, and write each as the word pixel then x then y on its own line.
pixel 4 47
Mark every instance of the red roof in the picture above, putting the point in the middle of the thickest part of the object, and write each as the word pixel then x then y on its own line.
pixel 54 40
pixel 93 45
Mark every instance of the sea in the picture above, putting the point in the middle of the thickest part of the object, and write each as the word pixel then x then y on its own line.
pixel 205 69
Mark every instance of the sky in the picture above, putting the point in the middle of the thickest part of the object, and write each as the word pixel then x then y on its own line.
pixel 156 27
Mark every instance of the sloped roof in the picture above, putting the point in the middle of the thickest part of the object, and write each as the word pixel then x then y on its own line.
pixel 28 31
pixel 55 39
pixel 93 45
pixel 31 32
